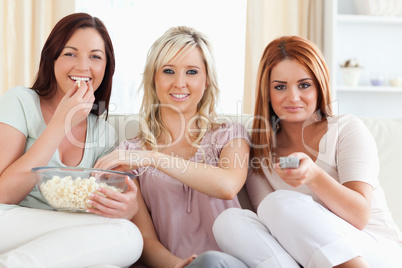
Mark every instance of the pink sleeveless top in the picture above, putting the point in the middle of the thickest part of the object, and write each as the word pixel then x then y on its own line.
pixel 183 217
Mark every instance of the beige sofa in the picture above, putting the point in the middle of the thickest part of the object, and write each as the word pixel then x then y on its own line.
pixel 387 133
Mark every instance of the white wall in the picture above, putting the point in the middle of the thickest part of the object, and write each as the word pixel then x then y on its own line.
pixel 135 24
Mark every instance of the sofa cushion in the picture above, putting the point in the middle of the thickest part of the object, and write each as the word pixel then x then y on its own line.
pixel 388 136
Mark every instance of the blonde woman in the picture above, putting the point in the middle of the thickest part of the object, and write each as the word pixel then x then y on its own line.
pixel 191 166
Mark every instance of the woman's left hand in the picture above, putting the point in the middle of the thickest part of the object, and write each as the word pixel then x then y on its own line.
pixel 185 262
pixel 304 174
pixel 115 204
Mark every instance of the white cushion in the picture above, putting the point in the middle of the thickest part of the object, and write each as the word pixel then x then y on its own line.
pixel 388 136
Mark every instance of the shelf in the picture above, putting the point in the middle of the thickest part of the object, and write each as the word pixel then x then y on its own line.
pixel 375 41
pixel 378 89
pixel 369 19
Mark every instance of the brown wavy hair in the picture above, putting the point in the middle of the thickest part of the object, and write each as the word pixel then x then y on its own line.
pixel 45 82
pixel 266 121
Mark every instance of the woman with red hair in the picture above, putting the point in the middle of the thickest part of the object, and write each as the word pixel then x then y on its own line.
pixel 326 210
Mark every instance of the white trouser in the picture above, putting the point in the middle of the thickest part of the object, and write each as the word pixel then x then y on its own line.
pixel 290 228
pixel 43 238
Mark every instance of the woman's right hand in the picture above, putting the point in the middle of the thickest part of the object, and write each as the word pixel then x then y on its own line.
pixel 125 160
pixel 303 175
pixel 75 105
pixel 185 262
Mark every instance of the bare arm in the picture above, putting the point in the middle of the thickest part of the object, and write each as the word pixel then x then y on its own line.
pixel 16 180
pixel 223 181
pixel 350 201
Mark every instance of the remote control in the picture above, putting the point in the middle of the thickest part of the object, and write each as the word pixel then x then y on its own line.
pixel 289 162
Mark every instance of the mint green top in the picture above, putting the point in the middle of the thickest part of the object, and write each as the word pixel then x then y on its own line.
pixel 20 108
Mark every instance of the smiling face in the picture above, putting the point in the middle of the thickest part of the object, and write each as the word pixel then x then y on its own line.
pixel 182 82
pixel 82 58
pixel 293 91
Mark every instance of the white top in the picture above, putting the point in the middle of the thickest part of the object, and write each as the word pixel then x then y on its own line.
pixel 348 152
pixel 20 108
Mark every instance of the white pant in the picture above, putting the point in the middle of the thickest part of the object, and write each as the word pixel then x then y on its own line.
pixel 291 228
pixel 43 238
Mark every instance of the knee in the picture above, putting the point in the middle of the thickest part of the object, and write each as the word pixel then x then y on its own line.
pixel 283 204
pixel 130 231
pixel 137 241
pixel 232 225
pixel 127 226
pixel 225 219
pixel 272 204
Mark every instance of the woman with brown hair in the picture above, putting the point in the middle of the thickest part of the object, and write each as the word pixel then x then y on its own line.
pixel 326 210
pixel 58 122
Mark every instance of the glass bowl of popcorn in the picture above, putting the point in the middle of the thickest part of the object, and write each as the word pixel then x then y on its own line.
pixel 68 188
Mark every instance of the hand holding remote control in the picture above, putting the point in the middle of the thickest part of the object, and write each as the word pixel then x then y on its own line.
pixel 289 162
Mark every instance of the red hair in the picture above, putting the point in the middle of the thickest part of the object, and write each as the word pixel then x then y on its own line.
pixel 265 121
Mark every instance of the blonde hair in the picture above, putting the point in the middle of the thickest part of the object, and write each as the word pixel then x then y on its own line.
pixel 305 53
pixel 170 46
